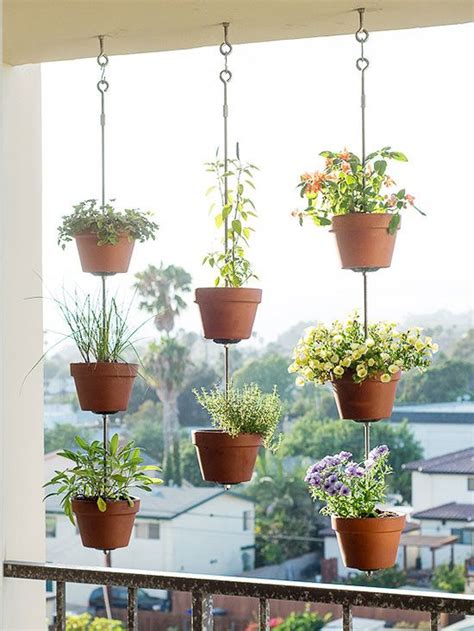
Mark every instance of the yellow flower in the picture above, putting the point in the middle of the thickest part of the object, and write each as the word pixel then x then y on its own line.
pixel 292 368
pixel 338 371
pixel 299 381
pixel 308 373
pixel 411 339
pixel 328 366
pixel 337 338
pixel 393 369
pixel 334 358
pixel 371 362
pixel 346 362
pixel 435 348
pixel 361 371
pixel 385 356
pixel 385 378
pixel 394 346
pixel 369 341
pixel 419 345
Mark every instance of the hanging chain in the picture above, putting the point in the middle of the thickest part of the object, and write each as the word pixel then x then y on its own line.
pixel 362 63
pixel 102 86
pixel 225 76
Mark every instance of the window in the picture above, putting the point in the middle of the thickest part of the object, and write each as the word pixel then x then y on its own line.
pixel 147 531
pixel 50 526
pixel 247 520
pixel 470 484
pixel 465 535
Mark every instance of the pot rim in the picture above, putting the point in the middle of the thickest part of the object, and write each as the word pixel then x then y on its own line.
pixel 382 219
pixel 93 500
pixel 233 294
pixel 369 519
pixel 91 367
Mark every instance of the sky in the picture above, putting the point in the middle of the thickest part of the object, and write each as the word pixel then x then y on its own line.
pixel 289 100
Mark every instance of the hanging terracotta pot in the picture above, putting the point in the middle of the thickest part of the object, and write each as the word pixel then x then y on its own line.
pixel 228 313
pixel 363 240
pixel 104 388
pixel 370 400
pixel 369 543
pixel 224 459
pixel 104 259
pixel 108 530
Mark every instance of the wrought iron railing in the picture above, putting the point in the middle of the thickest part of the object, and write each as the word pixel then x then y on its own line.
pixel 203 587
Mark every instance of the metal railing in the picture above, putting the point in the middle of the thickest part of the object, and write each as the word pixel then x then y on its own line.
pixel 203 587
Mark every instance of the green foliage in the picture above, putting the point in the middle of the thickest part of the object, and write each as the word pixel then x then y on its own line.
pixel 189 464
pixel 447 380
pixel 233 268
pixel 146 428
pixel 314 438
pixel 102 473
pixel 243 411
pixel 392 578
pixel 166 365
pixel 449 579
pixel 109 224
pixel 161 289
pixel 85 622
pixel 305 621
pixel 191 413
pixel 267 372
pixel 347 186
pixel 62 436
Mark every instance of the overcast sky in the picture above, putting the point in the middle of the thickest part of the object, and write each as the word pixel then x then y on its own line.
pixel 288 101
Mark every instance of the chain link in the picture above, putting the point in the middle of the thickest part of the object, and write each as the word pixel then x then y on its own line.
pixel 362 63
pixel 225 76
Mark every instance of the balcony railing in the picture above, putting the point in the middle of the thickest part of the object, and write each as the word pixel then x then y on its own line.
pixel 203 587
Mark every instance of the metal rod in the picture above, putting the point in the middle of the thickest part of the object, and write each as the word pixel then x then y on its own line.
pixel 366 318
pixel 435 621
pixel 226 370
pixel 264 615
pixel 225 76
pixel 201 612
pixel 60 606
pixel 346 618
pixel 132 614
pixel 366 439
pixel 362 65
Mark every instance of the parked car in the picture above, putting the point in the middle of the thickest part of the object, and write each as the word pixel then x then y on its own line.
pixel 119 600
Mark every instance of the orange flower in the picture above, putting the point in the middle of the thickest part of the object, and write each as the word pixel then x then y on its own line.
pixel 410 199
pixel 388 181
pixel 345 154
pixel 329 162
pixel 346 167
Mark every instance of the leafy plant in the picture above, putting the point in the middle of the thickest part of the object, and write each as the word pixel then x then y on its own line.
pixel 348 488
pixel 326 353
pixel 85 622
pixel 107 223
pixel 449 579
pixel 347 186
pixel 101 473
pixel 304 621
pixel 232 266
pixel 243 411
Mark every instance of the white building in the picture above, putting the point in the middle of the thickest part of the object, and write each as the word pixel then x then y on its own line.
pixel 187 529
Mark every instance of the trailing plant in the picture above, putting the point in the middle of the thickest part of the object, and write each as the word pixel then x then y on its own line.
pixel 346 186
pixel 232 266
pixel 348 488
pixel 243 411
pixel 107 223
pixel 326 353
pixel 101 473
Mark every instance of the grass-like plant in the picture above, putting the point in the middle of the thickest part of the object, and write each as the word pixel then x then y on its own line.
pixel 107 223
pixel 101 473
pixel 243 411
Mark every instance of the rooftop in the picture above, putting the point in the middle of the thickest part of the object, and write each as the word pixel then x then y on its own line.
pixel 460 462
pixel 454 511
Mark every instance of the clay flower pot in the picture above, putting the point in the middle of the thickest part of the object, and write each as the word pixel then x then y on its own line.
pixel 369 543
pixel 108 530
pixel 363 240
pixel 228 313
pixel 104 259
pixel 370 400
pixel 224 459
pixel 104 388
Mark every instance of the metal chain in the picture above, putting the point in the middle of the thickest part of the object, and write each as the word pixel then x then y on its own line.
pixel 225 76
pixel 362 63
pixel 102 86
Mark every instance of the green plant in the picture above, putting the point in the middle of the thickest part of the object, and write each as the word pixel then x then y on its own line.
pixel 107 223
pixel 328 352
pixel 243 411
pixel 304 621
pixel 449 579
pixel 85 622
pixel 347 186
pixel 101 473
pixel 233 268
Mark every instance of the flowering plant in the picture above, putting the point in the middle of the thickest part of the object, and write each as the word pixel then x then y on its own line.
pixel 326 353
pixel 348 488
pixel 345 186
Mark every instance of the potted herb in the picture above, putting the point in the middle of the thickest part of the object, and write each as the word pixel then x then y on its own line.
pixel 368 537
pixel 243 420
pixel 364 371
pixel 104 379
pixel 228 310
pixel 360 203
pixel 97 488
pixel 105 237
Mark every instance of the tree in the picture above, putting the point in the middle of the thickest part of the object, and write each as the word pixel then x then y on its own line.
pixel 62 436
pixel 267 371
pixel 191 413
pixel 146 429
pixel 447 380
pixel 449 579
pixel 189 464
pixel 315 439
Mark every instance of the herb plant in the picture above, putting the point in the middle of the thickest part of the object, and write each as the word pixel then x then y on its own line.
pixel 107 223
pixel 243 411
pixel 233 268
pixel 103 474
pixel 345 186
pixel 326 353
pixel 348 488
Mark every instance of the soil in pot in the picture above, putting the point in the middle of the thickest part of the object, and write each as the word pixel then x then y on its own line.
pixel 104 259
pixel 224 459
pixel 370 400
pixel 369 543
pixel 228 313
pixel 363 240
pixel 104 388
pixel 108 530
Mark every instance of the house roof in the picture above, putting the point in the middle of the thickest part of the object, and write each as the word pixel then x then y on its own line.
pixel 460 462
pixel 452 511
pixel 454 412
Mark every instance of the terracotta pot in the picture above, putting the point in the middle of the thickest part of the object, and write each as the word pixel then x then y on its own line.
pixel 104 388
pixel 108 530
pixel 370 400
pixel 228 313
pixel 104 259
pixel 363 240
pixel 369 543
pixel 224 459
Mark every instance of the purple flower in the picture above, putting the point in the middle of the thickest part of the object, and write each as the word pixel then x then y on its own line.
pixel 353 470
pixel 314 479
pixel 332 479
pixel 338 485
pixel 331 491
pixel 345 456
pixel 378 452
pixel 345 491
pixel 327 485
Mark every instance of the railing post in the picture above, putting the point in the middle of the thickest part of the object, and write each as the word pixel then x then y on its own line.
pixel 132 616
pixel 60 606
pixel 264 615
pixel 435 621
pixel 201 612
pixel 346 618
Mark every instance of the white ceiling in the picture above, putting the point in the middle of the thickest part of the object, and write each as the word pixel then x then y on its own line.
pixel 49 30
